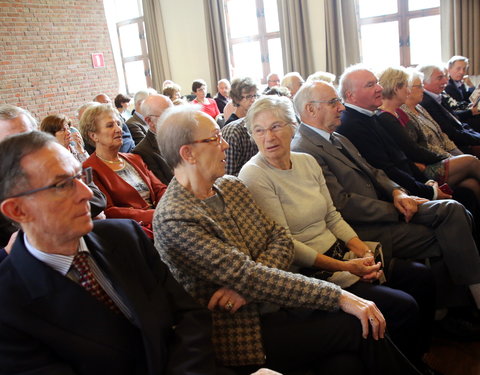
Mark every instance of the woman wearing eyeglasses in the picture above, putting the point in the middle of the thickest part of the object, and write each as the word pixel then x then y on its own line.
pixel 131 189
pixel 243 94
pixel 234 260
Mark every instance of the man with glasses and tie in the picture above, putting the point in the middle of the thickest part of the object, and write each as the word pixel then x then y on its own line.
pixel 381 210
pixel 80 297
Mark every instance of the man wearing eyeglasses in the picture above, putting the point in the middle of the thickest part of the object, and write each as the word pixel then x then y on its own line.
pixel 80 297
pixel 381 210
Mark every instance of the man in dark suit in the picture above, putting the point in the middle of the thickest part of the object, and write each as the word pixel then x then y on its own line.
pixel 84 298
pixel 136 124
pixel 153 108
pixel 453 123
pixel 378 208
pixel 458 78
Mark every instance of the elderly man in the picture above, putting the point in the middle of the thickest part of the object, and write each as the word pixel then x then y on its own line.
pixel 453 123
pixel 128 143
pixel 153 107
pixel 137 124
pixel 293 81
pixel 380 210
pixel 273 79
pixel 223 95
pixel 85 298
pixel 458 79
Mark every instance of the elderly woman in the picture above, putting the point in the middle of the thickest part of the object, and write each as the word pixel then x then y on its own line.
pixel 243 94
pixel 320 236
pixel 131 189
pixel 233 259
pixel 462 170
pixel 172 91
pixel 59 127
pixel 209 106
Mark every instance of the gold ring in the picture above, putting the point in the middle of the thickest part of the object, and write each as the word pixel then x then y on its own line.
pixel 228 305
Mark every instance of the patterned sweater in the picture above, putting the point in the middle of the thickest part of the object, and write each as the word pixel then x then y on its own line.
pixel 241 249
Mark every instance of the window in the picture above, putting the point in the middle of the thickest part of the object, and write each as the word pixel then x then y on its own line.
pixel 253 38
pixel 399 32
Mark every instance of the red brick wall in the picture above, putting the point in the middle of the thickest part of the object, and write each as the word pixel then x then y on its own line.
pixel 45 54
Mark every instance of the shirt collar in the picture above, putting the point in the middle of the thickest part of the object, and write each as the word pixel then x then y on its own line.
pixel 361 110
pixel 321 132
pixel 60 263
pixel 140 116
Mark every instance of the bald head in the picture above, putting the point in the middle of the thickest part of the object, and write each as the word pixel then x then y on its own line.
pixel 153 107
pixel 102 98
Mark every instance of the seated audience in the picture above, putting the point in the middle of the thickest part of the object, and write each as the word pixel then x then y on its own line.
pixel 223 95
pixel 154 106
pixel 242 147
pixel 128 143
pixel 121 104
pixel 463 171
pixel 459 85
pixel 209 106
pixel 131 189
pixel 273 79
pixel 379 209
pixel 59 127
pixel 233 259
pixel 173 92
pixel 320 236
pixel 322 76
pixel 82 297
pixel 462 134
pixel 293 81
pixel 136 124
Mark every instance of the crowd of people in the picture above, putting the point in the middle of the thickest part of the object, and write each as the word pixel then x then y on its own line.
pixel 312 228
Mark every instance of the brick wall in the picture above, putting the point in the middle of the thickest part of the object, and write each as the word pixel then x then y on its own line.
pixel 45 54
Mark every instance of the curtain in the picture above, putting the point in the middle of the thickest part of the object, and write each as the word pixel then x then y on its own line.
pixel 460 21
pixel 343 46
pixel 295 37
pixel 217 40
pixel 157 44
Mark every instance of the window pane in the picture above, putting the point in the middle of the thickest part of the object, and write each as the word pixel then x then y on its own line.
pixel 425 47
pixel 380 44
pixel 129 40
pixel 422 4
pixel 135 76
pixel 247 60
pixel 271 15
pixel 275 56
pixel 369 8
pixel 126 9
pixel 242 15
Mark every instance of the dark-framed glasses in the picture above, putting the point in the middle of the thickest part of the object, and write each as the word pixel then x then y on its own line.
pixel 260 132
pixel 249 97
pixel 64 186
pixel 216 138
pixel 332 102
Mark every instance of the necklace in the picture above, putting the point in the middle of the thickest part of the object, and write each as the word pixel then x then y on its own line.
pixel 111 162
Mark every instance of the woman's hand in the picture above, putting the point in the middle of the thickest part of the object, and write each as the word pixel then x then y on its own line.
pixel 227 300
pixel 364 268
pixel 366 311
pixel 77 138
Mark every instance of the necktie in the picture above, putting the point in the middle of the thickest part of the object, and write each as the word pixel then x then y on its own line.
pixel 87 280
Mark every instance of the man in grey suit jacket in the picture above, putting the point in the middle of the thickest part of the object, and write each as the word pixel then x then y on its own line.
pixel 136 124
pixel 153 108
pixel 379 209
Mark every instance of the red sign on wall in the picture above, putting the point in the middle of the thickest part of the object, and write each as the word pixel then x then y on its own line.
pixel 97 60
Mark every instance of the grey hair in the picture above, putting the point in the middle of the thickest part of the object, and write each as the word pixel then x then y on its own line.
pixel 88 122
pixel 281 106
pixel 428 70
pixel 12 150
pixel 147 106
pixel 10 112
pixel 140 96
pixel 322 76
pixel 413 74
pixel 223 80
pixel 345 83
pixel 175 128
pixel 287 79
pixel 306 94
pixel 454 59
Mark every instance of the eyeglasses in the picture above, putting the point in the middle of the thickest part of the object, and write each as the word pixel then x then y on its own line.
pixel 332 102
pixel 249 97
pixel 418 86
pixel 216 138
pixel 152 116
pixel 260 132
pixel 63 186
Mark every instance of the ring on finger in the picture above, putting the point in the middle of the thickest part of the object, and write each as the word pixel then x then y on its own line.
pixel 228 305
pixel 372 319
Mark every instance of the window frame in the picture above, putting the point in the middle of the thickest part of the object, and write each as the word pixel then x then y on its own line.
pixel 403 16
